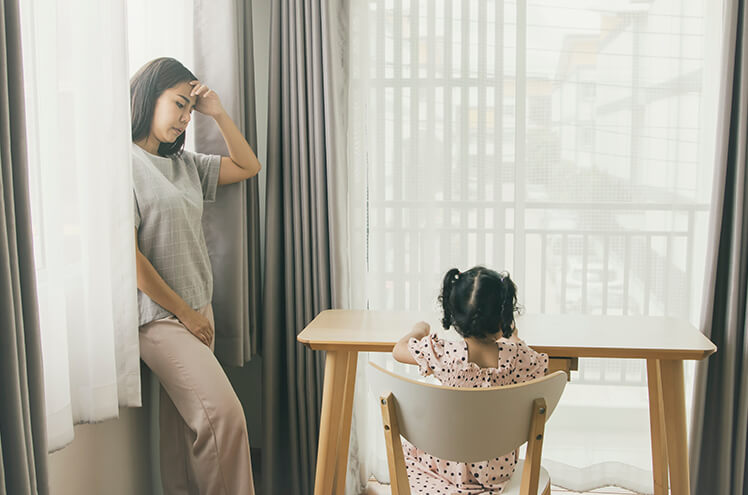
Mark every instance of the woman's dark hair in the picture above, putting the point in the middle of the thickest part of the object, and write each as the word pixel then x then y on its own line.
pixel 145 88
pixel 479 302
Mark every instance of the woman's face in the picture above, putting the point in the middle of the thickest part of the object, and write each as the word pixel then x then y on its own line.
pixel 172 113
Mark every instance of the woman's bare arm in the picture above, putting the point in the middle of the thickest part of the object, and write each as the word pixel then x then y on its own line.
pixel 242 163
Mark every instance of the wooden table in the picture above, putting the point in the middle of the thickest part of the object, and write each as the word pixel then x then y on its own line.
pixel 663 342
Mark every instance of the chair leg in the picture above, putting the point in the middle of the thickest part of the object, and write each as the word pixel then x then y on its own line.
pixel 531 469
pixel 395 459
pixel 547 490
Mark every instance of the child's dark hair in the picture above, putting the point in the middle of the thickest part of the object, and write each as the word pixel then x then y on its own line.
pixel 145 87
pixel 478 302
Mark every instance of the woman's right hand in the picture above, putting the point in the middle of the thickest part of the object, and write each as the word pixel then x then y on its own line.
pixel 197 324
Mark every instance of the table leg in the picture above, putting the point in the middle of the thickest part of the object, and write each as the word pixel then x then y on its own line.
pixel 657 428
pixel 345 423
pixel 332 394
pixel 674 407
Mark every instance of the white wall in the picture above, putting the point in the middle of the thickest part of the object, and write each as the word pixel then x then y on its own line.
pixel 110 457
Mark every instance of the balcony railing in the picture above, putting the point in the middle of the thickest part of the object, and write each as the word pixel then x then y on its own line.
pixel 592 258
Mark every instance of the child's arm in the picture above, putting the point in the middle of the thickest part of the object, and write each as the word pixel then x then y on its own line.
pixel 401 352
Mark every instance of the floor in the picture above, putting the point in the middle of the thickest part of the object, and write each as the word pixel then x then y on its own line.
pixel 374 488
pixel 600 491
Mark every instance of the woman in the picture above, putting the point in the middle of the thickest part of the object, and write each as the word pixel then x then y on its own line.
pixel 204 442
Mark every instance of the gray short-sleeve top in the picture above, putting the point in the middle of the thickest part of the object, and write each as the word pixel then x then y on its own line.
pixel 169 195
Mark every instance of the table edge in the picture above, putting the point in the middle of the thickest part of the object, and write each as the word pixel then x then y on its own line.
pixel 591 352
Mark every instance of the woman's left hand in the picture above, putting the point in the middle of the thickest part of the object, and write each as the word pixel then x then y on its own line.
pixel 208 102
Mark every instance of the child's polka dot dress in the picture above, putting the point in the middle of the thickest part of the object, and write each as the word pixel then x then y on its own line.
pixel 448 362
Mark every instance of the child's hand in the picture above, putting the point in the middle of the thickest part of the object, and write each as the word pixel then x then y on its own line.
pixel 420 330
pixel 400 352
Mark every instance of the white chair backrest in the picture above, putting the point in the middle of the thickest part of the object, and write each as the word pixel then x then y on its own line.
pixel 466 424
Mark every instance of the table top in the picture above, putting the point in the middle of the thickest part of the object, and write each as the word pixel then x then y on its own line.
pixel 599 336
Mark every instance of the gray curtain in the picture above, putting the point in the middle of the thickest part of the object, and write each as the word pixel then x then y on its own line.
pixel 720 417
pixel 303 149
pixel 23 436
pixel 224 60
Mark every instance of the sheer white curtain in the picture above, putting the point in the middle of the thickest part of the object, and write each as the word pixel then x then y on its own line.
pixel 75 68
pixel 568 143
pixel 160 29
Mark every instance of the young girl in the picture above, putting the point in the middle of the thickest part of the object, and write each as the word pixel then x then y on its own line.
pixel 204 442
pixel 480 304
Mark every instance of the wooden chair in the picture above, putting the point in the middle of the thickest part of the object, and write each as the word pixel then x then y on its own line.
pixel 467 424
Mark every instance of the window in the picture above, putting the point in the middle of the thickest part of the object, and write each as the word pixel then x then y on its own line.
pixel 567 143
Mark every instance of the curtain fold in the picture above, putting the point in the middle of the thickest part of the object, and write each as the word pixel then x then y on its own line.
pixel 720 411
pixel 77 102
pixel 304 149
pixel 224 60
pixel 23 444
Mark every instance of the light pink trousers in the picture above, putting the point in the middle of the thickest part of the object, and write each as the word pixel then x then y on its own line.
pixel 204 441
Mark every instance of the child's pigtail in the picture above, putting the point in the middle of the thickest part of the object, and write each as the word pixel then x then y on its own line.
pixel 447 285
pixel 508 305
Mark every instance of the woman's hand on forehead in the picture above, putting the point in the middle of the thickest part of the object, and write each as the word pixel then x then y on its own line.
pixel 208 102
